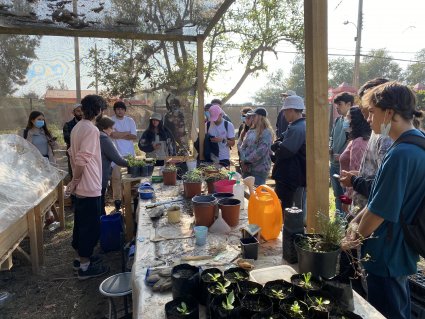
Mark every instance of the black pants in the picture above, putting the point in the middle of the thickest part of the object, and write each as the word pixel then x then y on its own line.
pixel 86 231
pixel 102 202
pixel 286 194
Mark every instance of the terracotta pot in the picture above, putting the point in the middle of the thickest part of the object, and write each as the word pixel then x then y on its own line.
pixel 192 189
pixel 210 187
pixel 169 177
pixel 204 208
pixel 230 210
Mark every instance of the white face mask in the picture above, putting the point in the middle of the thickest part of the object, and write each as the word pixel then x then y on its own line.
pixel 385 129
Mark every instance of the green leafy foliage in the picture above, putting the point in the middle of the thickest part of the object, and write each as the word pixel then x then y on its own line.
pixel 183 310
pixel 215 277
pixel 193 176
pixel 306 282
pixel 228 303
pixel 134 162
pixel 170 168
pixel 415 72
pixel 278 294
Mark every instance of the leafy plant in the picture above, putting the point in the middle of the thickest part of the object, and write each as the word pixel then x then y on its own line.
pixel 253 291
pixel 170 168
pixel 193 176
pixel 296 309
pixel 214 277
pixel 214 177
pixel 238 276
pixel 183 309
pixel 320 304
pixel 306 282
pixel 228 303
pixel 278 294
pixel 221 287
pixel 133 162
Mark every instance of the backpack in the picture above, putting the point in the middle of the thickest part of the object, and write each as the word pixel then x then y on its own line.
pixel 209 147
pixel 414 233
pixel 25 133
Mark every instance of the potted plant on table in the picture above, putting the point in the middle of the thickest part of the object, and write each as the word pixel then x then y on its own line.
pixel 208 276
pixel 213 177
pixel 318 253
pixel 293 308
pixel 185 308
pixel 135 166
pixel 192 183
pixel 256 304
pixel 319 306
pixel 277 290
pixel 305 283
pixel 225 306
pixel 169 174
pixel 216 289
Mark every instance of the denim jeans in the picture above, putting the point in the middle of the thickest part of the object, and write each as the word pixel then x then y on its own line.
pixel 336 186
pixel 259 179
pixel 389 295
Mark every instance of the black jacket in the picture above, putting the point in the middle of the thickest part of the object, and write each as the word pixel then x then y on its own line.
pixel 290 156
pixel 148 137
pixel 67 128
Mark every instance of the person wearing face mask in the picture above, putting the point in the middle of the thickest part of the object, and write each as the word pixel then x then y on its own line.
pixel 358 132
pixel 397 193
pixel 86 185
pixel 37 133
pixel 109 154
pixel 67 128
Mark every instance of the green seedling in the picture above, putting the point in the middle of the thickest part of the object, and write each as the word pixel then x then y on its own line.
pixel 239 277
pixel 253 291
pixel 183 310
pixel 296 309
pixel 306 283
pixel 214 277
pixel 222 287
pixel 278 294
pixel 228 303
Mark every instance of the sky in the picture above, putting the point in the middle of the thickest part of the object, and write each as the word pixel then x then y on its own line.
pixel 397 26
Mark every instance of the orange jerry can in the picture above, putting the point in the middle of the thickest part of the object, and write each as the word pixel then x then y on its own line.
pixel 265 210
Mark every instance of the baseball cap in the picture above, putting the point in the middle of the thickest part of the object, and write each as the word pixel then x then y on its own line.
pixel 293 102
pixel 215 111
pixel 260 111
pixel 156 116
pixel 288 93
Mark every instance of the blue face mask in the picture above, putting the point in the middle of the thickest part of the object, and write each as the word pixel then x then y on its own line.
pixel 39 123
pixel 207 114
pixel 243 119
pixel 346 125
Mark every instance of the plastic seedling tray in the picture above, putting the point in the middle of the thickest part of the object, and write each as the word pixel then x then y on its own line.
pixel 264 275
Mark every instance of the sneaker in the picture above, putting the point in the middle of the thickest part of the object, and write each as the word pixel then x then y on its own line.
pixel 93 271
pixel 94 259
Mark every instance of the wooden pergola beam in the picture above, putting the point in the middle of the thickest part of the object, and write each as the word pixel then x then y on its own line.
pixel 218 15
pixel 316 84
pixel 53 31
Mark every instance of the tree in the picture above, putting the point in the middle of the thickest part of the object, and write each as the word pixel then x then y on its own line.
pixel 270 93
pixel 296 79
pixel 16 54
pixel 340 70
pixel 378 63
pixel 61 85
pixel 415 72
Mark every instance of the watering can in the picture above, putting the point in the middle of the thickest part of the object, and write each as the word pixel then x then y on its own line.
pixel 265 210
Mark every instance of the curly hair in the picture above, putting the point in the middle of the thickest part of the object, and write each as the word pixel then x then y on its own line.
pixel 91 105
pixel 358 124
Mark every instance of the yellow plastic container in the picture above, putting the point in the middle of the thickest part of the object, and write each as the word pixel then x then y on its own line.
pixel 264 210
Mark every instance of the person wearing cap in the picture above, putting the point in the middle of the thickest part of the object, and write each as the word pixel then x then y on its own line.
pixel 221 132
pixel 219 103
pixel 281 122
pixel 289 170
pixel 123 135
pixel 157 141
pixel 67 128
pixel 255 149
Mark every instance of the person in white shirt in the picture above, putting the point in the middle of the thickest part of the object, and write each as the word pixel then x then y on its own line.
pixel 124 135
pixel 222 132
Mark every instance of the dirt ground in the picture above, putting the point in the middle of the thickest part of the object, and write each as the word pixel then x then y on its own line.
pixel 56 292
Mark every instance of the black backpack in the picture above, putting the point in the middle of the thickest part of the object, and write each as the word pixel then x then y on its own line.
pixel 414 233
pixel 209 147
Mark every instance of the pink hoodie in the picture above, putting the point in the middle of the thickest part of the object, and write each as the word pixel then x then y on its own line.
pixel 85 151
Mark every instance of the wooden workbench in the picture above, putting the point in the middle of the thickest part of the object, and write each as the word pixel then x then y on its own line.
pixel 31 224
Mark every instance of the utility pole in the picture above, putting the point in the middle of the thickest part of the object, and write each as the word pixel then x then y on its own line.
pixel 356 73
pixel 77 58
pixel 96 83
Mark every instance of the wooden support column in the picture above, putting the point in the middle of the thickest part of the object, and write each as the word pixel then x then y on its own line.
pixel 61 210
pixel 32 234
pixel 316 84
pixel 201 89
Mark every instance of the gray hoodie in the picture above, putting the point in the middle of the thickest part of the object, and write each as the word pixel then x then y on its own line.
pixel 109 154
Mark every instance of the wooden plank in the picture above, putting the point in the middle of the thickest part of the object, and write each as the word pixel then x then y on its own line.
pixel 128 211
pixel 38 216
pixel 63 32
pixel 13 234
pixel 316 83
pixel 201 89
pixel 32 233
pixel 61 203
pixel 218 15
pixel 7 264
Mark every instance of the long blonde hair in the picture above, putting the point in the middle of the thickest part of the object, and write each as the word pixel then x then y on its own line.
pixel 262 124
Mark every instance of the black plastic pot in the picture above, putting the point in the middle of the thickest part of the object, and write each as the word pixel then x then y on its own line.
pixel 315 313
pixel 206 280
pixel 300 291
pixel 147 170
pixel 285 306
pixel 171 311
pixel 289 253
pixel 249 288
pixel 135 171
pixel 185 281
pixel 272 316
pixel 249 247
pixel 294 220
pixel 213 292
pixel 231 274
pixel 218 312
pixel 320 264
pixel 277 285
pixel 342 292
pixel 256 304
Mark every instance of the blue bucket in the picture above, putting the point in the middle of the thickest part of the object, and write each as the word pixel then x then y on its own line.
pixel 111 227
pixel 146 191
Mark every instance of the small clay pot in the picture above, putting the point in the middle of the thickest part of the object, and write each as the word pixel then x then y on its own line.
pixel 169 177
pixel 230 209
pixel 204 208
pixel 192 189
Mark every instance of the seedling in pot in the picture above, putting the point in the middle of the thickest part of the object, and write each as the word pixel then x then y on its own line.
pixel 239 277
pixel 183 310
pixel 215 277
pixel 306 283
pixel 278 294
pixel 253 291
pixel 296 310
pixel 222 287
pixel 228 303
pixel 320 304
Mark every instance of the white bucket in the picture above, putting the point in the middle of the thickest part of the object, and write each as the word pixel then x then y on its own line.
pixel 191 164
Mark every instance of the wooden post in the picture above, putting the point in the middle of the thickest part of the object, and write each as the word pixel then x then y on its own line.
pixel 316 84
pixel 32 234
pixel 201 89
pixel 38 217
pixel 61 210
pixel 128 211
